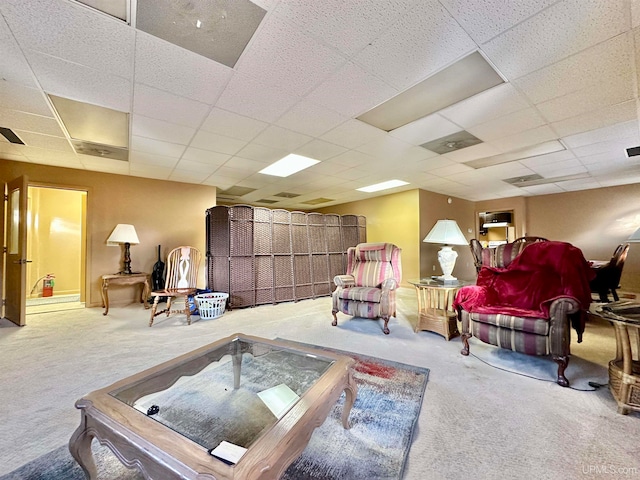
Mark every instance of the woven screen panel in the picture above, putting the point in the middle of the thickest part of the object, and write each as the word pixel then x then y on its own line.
pixel 241 273
pixel 320 268
pixel 321 289
pixel 349 220
pixel 261 214
pixel 283 270
pixel 241 237
pixel 318 238
pixel 281 234
pixel 264 296
pixel 350 237
pixel 302 269
pixel 299 218
pixel 281 216
pixel 300 238
pixel 336 264
pixel 218 278
pixel 334 238
pixel 218 231
pixel 303 291
pixel 263 267
pixel 284 294
pixel 262 238
pixel 242 298
pixel 241 212
pixel 315 219
pixel 332 219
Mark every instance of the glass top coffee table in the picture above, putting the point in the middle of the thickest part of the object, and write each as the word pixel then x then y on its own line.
pixel 242 407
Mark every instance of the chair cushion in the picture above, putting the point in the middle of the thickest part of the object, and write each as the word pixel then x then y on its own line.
pixel 529 324
pixel 361 294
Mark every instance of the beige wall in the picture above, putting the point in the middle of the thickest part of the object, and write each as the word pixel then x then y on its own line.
pixel 595 220
pixel 405 218
pixel 164 213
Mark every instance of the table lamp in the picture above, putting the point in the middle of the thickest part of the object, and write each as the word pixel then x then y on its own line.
pixel 124 234
pixel 447 233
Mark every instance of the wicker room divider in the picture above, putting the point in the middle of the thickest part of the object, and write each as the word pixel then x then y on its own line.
pixel 259 255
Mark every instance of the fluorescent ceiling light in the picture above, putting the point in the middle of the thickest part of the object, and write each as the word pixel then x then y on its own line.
pixel 544 181
pixel 464 79
pixel 289 165
pixel 382 186
pixel 520 154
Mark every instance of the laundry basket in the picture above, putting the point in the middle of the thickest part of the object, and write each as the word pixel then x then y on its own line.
pixel 211 305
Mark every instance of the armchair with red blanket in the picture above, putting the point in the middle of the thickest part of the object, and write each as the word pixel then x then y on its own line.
pixel 531 305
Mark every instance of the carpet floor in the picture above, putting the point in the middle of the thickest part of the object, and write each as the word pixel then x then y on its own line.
pixel 479 421
pixel 376 446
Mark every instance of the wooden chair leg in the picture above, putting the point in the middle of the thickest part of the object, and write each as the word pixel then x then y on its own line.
pixel 187 309
pixel 156 299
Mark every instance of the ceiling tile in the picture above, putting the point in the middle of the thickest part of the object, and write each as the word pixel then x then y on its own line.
pixel 506 125
pixel 589 67
pixel 561 30
pixel 597 119
pixel 13 65
pixel 95 40
pixel 161 130
pixel 32 123
pixel 44 141
pixel 217 143
pixel 251 97
pixel 70 80
pixel 149 171
pixel 278 137
pixel 105 165
pixel 173 69
pixel 15 96
pixel 190 166
pixel 494 16
pixel 428 128
pixel 205 156
pixel 296 62
pixel 232 125
pixel 525 138
pixel 161 105
pixel 319 150
pixel 310 119
pixel 263 153
pixel 352 134
pixel 425 40
pixel 157 147
pixel 143 158
pixel 351 91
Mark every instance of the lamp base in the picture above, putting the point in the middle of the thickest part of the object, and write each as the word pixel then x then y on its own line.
pixel 447 258
pixel 445 281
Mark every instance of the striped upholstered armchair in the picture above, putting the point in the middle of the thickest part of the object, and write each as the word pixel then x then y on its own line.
pixel 368 289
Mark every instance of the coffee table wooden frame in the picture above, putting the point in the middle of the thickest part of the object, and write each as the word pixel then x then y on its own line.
pixel 159 452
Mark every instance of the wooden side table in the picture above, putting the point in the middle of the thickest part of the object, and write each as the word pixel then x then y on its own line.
pixel 624 370
pixel 435 313
pixel 125 279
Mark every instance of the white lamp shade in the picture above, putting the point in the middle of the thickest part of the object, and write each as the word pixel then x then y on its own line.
pixel 123 233
pixel 635 236
pixel 446 232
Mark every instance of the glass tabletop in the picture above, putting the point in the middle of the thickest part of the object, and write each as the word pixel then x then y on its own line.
pixel 232 393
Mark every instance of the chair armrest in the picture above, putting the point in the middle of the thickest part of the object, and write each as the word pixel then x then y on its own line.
pixel 389 284
pixel 344 280
pixel 564 312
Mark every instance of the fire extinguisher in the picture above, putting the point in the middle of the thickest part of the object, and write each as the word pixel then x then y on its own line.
pixel 47 285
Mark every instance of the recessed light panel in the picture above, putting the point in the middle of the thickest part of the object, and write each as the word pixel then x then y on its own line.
pixel 115 8
pixel 520 154
pixel 382 186
pixel 289 165
pixel 465 78
pixel 216 29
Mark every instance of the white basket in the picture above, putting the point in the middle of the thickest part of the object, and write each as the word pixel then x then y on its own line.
pixel 211 305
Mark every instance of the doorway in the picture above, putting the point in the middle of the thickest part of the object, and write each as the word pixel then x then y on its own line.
pixel 56 239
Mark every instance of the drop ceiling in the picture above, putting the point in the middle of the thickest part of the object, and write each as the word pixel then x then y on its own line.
pixel 570 71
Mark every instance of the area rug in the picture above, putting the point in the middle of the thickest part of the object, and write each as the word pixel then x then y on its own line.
pixel 375 447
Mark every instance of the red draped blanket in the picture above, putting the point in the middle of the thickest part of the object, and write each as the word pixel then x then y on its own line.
pixel 543 272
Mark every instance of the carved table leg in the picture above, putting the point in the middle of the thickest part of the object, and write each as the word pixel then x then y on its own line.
pixel 80 449
pixel 105 296
pixel 385 329
pixel 351 391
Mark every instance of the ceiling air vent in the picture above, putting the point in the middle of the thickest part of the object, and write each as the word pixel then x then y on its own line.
pixel 287 195
pixel 317 201
pixel 10 136
pixel 451 143
pixel 99 150
pixel 266 200
pixel 237 191
pixel 633 152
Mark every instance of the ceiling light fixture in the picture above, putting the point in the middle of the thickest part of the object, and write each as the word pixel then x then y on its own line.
pixel 288 165
pixel 382 186
pixel 520 154
pixel 465 78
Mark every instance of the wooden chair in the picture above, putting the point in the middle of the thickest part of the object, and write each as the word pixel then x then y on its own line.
pixel 530 239
pixel 608 276
pixel 183 264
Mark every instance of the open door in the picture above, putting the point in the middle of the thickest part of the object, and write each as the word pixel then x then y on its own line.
pixel 16 262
